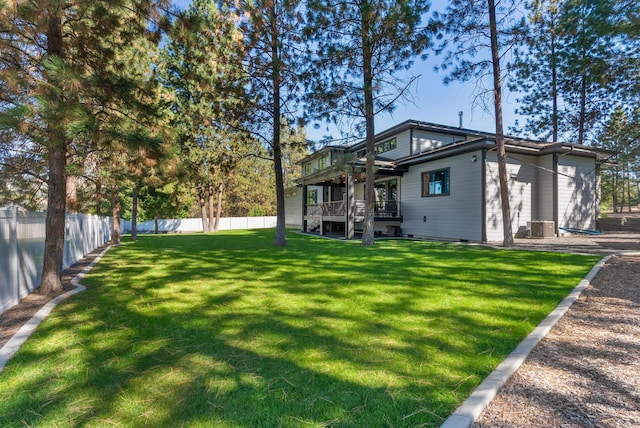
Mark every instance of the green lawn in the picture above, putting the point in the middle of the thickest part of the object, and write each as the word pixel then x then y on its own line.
pixel 227 331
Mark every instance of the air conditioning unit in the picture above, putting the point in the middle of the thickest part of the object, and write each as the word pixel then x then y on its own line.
pixel 541 229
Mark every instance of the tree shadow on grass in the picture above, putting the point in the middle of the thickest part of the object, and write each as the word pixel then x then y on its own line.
pixel 213 331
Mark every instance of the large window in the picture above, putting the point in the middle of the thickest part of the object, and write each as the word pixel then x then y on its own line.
pixel 306 169
pixel 312 197
pixel 385 146
pixel 435 183
pixel 322 163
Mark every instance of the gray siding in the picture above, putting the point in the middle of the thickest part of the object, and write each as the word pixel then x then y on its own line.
pixel 544 189
pixel 456 216
pixel 424 141
pixel 521 173
pixel 403 146
pixel 576 192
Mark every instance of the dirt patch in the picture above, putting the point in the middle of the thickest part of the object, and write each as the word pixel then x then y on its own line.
pixel 12 319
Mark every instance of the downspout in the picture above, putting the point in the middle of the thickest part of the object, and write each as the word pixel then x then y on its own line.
pixel 555 193
pixel 483 188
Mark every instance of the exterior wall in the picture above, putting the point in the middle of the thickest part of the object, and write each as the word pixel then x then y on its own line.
pixel 293 207
pixel 455 216
pixel 358 191
pixel 544 189
pixel 576 192
pixel 521 172
pixel 424 141
pixel 403 146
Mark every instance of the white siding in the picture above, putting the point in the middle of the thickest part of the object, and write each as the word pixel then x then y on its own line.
pixel 455 216
pixel 424 141
pixel 521 173
pixel 293 207
pixel 576 192
pixel 544 189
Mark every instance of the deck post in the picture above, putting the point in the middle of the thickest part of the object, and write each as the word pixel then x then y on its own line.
pixel 304 208
pixel 350 208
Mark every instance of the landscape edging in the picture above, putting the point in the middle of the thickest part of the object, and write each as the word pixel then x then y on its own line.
pixel 467 413
pixel 16 341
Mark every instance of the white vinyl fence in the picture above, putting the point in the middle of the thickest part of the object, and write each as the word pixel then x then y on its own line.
pixel 22 236
pixel 186 225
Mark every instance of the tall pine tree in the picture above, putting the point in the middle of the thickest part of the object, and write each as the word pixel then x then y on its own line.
pixel 57 55
pixel 360 46
pixel 476 35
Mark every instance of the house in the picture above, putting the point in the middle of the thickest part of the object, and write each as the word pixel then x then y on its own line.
pixel 437 181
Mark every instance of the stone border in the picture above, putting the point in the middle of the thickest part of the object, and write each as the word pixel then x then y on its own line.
pixel 16 341
pixel 472 407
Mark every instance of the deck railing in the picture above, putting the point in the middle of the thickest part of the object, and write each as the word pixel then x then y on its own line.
pixel 338 208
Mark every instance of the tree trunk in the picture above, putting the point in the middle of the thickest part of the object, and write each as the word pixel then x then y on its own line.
pixel 216 225
pixel 554 87
pixel 155 224
pixel 629 185
pixel 368 234
pixel 615 180
pixel 72 194
pixel 99 197
pixel 134 213
pixel 583 108
pixel 211 198
pixel 502 163
pixel 115 213
pixel 51 282
pixel 203 208
pixel 281 228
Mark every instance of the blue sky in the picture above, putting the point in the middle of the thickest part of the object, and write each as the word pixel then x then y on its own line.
pixel 432 100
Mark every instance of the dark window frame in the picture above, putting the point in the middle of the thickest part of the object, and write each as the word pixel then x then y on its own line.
pixel 431 175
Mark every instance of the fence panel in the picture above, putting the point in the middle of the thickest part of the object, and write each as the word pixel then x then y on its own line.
pixel 8 259
pixel 22 236
pixel 190 225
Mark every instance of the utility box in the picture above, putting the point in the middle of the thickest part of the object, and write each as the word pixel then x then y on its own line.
pixel 541 229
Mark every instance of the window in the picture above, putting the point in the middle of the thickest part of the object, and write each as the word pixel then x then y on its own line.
pixel 435 183
pixel 386 146
pixel 306 168
pixel 312 197
pixel 322 163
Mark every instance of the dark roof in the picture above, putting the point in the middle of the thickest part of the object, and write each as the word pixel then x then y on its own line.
pixel 473 139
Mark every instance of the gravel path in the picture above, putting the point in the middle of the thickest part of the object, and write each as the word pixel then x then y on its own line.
pixel 586 372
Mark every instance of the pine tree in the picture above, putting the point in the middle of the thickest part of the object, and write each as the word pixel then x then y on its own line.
pixel 273 60
pixel 536 72
pixel 579 65
pixel 201 66
pixel 360 48
pixel 57 57
pixel 478 29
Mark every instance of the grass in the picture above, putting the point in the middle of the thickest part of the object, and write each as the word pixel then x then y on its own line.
pixel 228 331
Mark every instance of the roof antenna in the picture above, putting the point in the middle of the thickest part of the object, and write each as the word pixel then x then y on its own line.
pixel 460 116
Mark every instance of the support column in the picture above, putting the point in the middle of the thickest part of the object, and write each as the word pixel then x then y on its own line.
pixel 304 208
pixel 351 208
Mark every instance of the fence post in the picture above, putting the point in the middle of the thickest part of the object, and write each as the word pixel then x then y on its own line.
pixel 14 270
